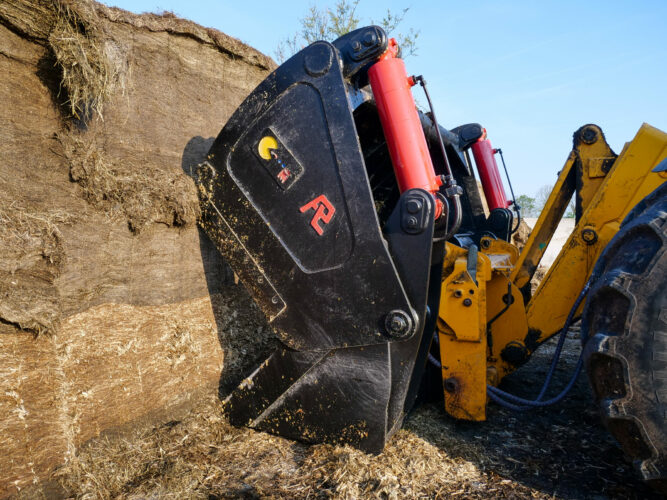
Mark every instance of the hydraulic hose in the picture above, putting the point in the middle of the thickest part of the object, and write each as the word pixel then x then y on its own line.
pixel 517 403
pixel 452 190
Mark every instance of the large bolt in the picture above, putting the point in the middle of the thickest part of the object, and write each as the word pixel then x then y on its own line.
pixel 413 206
pixel 467 302
pixel 369 39
pixel 318 60
pixel 398 323
pixel 451 385
pixel 589 135
pixel 589 236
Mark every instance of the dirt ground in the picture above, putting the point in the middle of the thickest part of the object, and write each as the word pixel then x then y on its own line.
pixel 558 452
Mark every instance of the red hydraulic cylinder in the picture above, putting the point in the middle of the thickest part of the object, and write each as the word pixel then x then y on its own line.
pixel 400 122
pixel 489 175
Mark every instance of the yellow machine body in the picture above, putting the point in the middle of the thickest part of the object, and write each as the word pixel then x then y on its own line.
pixel 489 323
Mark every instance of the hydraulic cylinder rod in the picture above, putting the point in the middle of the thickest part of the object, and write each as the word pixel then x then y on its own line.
pixel 489 175
pixel 402 129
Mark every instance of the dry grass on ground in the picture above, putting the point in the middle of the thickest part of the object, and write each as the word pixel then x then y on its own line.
pixel 560 452
pixel 202 456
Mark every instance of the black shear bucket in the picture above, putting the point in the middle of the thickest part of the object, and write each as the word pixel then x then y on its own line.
pixel 286 199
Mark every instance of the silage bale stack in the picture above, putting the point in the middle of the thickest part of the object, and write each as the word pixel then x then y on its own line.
pixel 106 313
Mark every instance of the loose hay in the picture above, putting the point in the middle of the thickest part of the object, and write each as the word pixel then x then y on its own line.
pixel 520 237
pixel 31 255
pixel 560 452
pixel 25 232
pixel 143 193
pixel 537 278
pixel 92 65
pixel 202 456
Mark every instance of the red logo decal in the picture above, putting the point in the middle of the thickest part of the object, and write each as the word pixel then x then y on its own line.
pixel 283 175
pixel 324 211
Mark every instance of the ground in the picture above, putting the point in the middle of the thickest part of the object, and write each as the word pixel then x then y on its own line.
pixel 559 452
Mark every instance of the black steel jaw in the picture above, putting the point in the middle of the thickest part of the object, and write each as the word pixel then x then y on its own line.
pixel 286 199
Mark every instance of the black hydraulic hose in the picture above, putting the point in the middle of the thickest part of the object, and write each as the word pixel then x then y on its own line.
pixel 516 206
pixel 434 361
pixel 452 190
pixel 517 403
pixel 510 301
pixel 448 168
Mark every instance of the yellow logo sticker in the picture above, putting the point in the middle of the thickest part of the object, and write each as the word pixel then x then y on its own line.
pixel 266 144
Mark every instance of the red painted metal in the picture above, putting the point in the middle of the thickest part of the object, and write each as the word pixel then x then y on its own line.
pixel 402 129
pixel 489 175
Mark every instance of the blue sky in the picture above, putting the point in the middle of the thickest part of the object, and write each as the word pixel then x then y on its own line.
pixel 530 72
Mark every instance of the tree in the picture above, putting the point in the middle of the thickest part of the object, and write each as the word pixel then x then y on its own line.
pixel 333 22
pixel 527 205
pixel 532 207
pixel 542 196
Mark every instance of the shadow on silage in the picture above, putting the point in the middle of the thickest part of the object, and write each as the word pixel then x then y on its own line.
pixel 245 337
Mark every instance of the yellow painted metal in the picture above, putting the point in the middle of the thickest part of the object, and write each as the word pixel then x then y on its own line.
pixel 462 334
pixel 546 224
pixel 461 302
pixel 628 182
pixel 594 160
pixel 469 345
pixel 502 254
pixel 475 340
pixel 464 376
pixel 505 310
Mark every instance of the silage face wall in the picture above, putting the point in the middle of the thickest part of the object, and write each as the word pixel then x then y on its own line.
pixel 112 305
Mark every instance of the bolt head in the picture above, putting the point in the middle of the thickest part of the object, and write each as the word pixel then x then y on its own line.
pixel 318 61
pixel 369 39
pixel 589 236
pixel 589 135
pixel 413 206
pixel 467 302
pixel 398 324
pixel 451 384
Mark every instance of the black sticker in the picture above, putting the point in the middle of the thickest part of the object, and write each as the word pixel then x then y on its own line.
pixel 277 160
